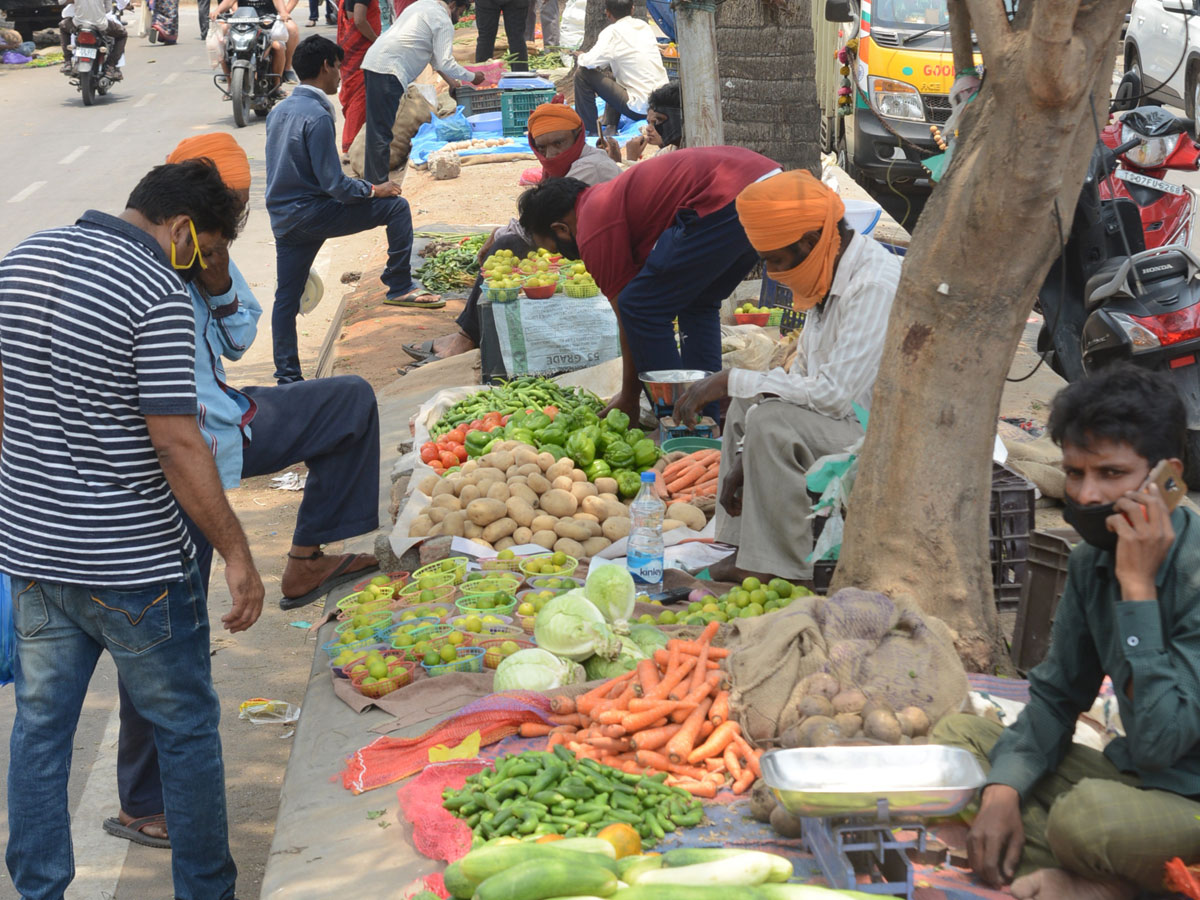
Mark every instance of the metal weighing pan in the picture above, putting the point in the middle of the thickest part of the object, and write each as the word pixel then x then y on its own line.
pixel 665 386
pixel 826 782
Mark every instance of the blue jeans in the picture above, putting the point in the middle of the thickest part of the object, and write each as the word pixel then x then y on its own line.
pixel 694 266
pixel 296 249
pixel 158 636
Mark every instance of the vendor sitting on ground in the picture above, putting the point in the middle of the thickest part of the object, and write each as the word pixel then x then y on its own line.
pixel 1071 821
pixel 664 124
pixel 557 139
pixel 663 242
pixel 780 423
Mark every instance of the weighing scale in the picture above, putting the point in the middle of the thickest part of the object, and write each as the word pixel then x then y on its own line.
pixel 663 388
pixel 852 800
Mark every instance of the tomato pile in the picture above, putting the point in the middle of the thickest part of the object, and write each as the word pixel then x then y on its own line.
pixel 450 451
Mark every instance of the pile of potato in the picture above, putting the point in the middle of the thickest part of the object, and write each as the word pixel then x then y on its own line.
pixel 515 495
pixel 829 714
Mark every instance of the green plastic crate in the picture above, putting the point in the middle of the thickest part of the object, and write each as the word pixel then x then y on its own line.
pixel 515 107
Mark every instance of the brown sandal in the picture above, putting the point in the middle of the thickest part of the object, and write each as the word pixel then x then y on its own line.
pixel 136 830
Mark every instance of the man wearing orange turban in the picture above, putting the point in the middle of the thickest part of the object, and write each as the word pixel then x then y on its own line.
pixel 557 139
pixel 331 424
pixel 780 422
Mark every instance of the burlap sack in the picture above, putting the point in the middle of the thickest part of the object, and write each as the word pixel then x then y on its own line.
pixel 414 112
pixel 889 650
pixel 1038 459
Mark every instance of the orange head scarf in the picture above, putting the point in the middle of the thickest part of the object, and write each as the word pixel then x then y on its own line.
pixel 223 150
pixel 553 117
pixel 778 211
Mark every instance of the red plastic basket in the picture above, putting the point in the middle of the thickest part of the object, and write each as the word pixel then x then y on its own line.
pixel 400 673
pixel 491 649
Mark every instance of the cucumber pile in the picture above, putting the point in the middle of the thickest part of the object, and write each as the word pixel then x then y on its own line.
pixel 540 793
pixel 509 869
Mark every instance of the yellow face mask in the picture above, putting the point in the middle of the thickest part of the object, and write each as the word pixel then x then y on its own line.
pixel 197 257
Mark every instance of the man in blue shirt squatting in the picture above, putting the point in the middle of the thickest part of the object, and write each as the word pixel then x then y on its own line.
pixel 310 200
pixel 1066 821
pixel 330 424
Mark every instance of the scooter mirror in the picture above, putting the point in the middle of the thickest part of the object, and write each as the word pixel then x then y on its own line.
pixel 1187 7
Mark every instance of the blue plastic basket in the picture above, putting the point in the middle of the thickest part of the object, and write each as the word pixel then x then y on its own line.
pixel 515 107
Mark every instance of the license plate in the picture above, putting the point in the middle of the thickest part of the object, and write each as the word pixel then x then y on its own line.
pixel 85 52
pixel 1146 181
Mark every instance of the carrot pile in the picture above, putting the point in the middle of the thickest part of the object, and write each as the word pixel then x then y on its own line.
pixel 670 714
pixel 693 476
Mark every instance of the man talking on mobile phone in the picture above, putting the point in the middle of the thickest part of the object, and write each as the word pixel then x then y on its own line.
pixel 1066 821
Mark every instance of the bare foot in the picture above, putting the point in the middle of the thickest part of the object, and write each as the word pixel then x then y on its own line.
pixel 452 345
pixel 1059 884
pixel 152 829
pixel 303 575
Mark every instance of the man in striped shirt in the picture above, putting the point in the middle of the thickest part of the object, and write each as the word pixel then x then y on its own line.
pixel 779 423
pixel 100 449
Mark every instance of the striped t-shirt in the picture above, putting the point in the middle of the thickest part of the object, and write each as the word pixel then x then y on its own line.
pixel 96 333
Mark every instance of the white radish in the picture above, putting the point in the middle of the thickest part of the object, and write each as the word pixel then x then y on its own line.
pixel 744 869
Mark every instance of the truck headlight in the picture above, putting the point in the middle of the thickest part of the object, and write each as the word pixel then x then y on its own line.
pixel 895 99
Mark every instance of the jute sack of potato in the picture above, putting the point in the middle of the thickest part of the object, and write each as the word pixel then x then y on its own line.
pixel 786 665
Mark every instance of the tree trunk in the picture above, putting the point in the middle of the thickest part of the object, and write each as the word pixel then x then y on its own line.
pixel 917 522
pixel 767 80
pixel 594 20
pixel 696 26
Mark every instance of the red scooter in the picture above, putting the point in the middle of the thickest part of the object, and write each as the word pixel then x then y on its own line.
pixel 1126 207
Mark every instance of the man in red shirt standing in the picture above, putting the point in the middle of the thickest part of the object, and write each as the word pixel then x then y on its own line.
pixel 663 242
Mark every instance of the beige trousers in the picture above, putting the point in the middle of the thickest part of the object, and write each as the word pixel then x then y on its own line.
pixel 781 441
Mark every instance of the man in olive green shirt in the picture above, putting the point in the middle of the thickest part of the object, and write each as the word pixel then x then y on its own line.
pixel 1074 822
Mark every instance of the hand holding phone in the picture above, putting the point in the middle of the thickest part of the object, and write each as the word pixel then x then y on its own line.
pixel 1144 531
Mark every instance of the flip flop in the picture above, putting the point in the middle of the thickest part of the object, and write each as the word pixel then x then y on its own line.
pixel 419 352
pixel 339 576
pixel 133 831
pixel 411 300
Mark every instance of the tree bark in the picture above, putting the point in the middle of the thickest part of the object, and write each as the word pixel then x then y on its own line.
pixel 594 20
pixel 768 80
pixel 696 27
pixel 917 522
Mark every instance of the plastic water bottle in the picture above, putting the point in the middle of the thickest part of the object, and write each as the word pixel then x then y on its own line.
pixel 644 553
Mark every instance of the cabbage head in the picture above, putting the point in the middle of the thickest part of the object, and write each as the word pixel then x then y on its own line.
pixel 571 627
pixel 600 668
pixel 648 638
pixel 535 670
pixel 611 590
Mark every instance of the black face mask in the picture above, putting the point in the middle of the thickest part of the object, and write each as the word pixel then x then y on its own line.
pixel 568 248
pixel 670 132
pixel 1092 523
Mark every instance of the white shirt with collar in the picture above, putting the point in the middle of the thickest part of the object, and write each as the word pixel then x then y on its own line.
pixel 838 355
pixel 631 49
pixel 422 36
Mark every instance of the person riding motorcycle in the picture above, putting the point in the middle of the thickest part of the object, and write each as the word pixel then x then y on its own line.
pixel 97 13
pixel 284 36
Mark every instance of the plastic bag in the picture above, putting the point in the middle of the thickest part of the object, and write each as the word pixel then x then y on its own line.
pixel 571 29
pixel 261 711
pixel 8 633
pixel 454 127
pixel 215 45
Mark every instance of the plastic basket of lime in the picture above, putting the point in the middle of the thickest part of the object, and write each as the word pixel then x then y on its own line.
pixel 490 582
pixel 414 593
pixel 465 659
pixel 500 603
pixel 455 564
pixel 395 675
pixel 557 563
pixel 349 663
pixel 496 649
pixel 473 625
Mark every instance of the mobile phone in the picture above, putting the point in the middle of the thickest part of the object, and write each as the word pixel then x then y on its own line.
pixel 1170 485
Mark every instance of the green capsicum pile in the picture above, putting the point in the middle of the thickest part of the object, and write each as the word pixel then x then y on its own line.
pixel 558 420
pixel 551 792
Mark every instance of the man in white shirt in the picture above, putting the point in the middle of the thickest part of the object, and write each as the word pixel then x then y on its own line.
pixel 422 36
pixel 779 423
pixel 627 47
pixel 98 14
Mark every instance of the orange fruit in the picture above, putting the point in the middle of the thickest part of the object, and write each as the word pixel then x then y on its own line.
pixel 624 838
pixel 548 838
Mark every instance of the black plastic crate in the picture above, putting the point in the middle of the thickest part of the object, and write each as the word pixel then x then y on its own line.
pixel 774 294
pixel 1045 579
pixel 475 101
pixel 1012 521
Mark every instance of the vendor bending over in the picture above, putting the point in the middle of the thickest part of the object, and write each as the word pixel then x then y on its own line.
pixel 557 140
pixel 1073 822
pixel 664 243
pixel 780 422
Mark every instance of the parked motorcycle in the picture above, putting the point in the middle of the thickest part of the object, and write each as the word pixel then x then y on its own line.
pixel 1132 286
pixel 93 49
pixel 252 85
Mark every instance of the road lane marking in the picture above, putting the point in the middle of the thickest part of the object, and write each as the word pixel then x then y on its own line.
pixel 192 60
pixel 26 192
pixel 146 98
pixel 99 858
pixel 73 155
pixel 113 125
pixel 170 79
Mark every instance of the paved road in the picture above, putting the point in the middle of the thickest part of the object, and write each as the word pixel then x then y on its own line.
pixel 59 159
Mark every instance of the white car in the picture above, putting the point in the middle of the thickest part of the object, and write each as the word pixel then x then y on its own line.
pixel 1162 47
